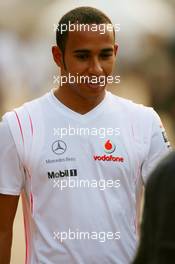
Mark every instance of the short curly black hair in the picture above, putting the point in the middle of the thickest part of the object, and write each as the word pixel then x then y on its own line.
pixel 80 15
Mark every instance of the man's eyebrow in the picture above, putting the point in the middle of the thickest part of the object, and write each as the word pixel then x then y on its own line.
pixel 82 50
pixel 88 51
pixel 107 50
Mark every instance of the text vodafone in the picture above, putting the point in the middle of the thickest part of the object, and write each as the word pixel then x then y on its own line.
pixel 109 158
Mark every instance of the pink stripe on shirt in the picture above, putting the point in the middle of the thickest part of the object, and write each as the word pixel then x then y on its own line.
pixel 20 127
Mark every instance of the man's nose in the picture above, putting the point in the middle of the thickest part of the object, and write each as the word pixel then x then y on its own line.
pixel 95 67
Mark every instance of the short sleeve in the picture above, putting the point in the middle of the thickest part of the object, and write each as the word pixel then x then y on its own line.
pixel 158 146
pixel 11 169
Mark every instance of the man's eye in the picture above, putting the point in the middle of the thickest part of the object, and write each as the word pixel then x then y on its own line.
pixel 105 56
pixel 82 56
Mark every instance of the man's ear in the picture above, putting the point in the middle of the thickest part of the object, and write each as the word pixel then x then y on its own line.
pixel 115 49
pixel 57 56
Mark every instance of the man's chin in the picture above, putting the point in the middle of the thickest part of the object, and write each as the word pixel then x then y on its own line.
pixel 93 90
pixel 88 91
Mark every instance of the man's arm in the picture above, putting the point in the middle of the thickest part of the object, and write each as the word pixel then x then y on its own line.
pixel 8 206
pixel 158 147
pixel 11 184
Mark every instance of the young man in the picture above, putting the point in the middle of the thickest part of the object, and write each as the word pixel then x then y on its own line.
pixel 80 191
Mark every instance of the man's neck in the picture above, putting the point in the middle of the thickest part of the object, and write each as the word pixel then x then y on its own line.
pixel 76 102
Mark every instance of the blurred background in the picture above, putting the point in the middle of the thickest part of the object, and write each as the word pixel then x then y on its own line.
pixel 145 62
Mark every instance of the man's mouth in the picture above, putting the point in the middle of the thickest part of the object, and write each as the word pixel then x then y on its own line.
pixel 95 84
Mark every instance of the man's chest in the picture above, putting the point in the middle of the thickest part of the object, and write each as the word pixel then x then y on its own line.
pixel 104 149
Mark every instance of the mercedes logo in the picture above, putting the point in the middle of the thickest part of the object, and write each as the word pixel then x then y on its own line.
pixel 59 147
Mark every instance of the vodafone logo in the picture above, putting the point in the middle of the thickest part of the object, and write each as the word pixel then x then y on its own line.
pixel 109 148
pixel 109 158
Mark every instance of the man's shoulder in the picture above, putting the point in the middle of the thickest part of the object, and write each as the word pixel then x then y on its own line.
pixel 37 101
pixel 32 105
pixel 25 111
pixel 129 107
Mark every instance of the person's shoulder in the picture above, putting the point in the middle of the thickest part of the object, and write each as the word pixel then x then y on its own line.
pixel 23 112
pixel 132 108
pixel 32 105
pixel 39 100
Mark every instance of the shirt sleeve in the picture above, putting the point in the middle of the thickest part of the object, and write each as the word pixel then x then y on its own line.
pixel 158 146
pixel 11 169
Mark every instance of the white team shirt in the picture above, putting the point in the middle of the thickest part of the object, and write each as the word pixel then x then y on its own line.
pixel 92 219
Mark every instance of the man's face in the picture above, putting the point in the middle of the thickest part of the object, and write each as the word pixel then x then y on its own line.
pixel 89 53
